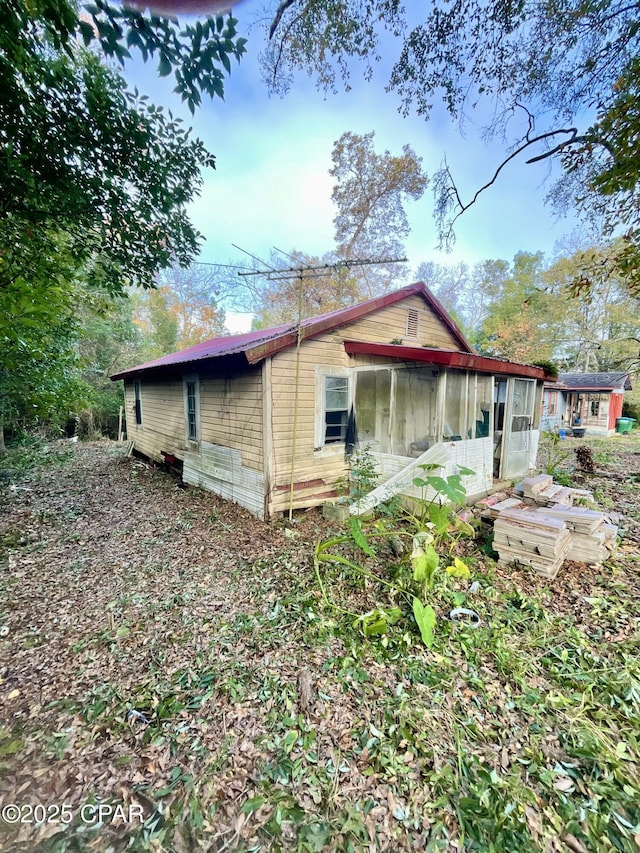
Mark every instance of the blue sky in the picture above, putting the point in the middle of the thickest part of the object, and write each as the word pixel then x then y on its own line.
pixel 271 186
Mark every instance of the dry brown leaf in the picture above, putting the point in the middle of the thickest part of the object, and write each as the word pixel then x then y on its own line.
pixel 573 843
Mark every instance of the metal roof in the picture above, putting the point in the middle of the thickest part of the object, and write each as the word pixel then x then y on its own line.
pixel 611 381
pixel 255 346
pixel 213 348
pixel 447 358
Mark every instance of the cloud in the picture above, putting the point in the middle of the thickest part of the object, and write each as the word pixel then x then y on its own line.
pixel 271 186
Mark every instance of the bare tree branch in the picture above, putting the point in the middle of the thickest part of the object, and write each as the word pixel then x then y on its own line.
pixel 449 191
pixel 282 8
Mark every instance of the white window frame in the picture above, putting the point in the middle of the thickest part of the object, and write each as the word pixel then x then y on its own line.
pixel 192 378
pixel 334 448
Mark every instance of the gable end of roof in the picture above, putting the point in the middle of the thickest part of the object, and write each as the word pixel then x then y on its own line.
pixel 258 345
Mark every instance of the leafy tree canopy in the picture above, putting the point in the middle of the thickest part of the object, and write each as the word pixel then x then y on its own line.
pixel 530 310
pixel 197 54
pixel 370 193
pixel 84 155
pixel 94 179
pixel 601 324
pixel 562 76
pixel 182 311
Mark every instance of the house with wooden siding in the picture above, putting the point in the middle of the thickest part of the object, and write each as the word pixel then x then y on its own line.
pixel 585 401
pixel 265 418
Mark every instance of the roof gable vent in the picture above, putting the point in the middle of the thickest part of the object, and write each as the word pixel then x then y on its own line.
pixel 412 323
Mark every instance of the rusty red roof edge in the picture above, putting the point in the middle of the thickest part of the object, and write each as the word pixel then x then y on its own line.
pixel 213 348
pixel 260 344
pixel 446 358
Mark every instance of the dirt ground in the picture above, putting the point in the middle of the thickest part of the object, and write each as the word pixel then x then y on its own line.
pixel 164 652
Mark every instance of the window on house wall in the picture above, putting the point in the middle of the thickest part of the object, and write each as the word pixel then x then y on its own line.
pixel 396 409
pixel 137 393
pixel 336 408
pixel 467 406
pixel 499 403
pixel 192 407
pixel 594 408
pixel 481 405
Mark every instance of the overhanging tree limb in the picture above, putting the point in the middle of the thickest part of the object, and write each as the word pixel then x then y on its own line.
pixel 282 8
pixel 448 197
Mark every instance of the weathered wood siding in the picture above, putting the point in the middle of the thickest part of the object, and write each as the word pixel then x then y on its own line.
pixel 219 469
pixel 163 426
pixel 316 471
pixel 390 324
pixel 228 457
pixel 231 415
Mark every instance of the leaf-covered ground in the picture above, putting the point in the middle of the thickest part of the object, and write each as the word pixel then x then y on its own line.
pixel 164 652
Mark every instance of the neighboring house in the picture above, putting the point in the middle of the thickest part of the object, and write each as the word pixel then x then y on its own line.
pixel 264 418
pixel 589 401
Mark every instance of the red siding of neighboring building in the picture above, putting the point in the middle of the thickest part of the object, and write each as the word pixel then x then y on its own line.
pixel 615 409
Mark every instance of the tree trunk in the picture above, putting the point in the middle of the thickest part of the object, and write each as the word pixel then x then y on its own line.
pixel 3 448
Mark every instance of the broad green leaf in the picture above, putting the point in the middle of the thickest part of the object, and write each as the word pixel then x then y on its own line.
pixel 289 740
pixel 440 516
pixel 425 617
pixel 374 624
pixel 438 484
pixel 465 472
pixel 164 65
pixel 424 562
pixel 419 564
pixel 11 747
pixel 358 536
pixel 393 615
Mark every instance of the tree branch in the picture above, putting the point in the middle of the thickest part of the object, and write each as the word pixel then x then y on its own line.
pixel 286 4
pixel 446 235
pixel 282 8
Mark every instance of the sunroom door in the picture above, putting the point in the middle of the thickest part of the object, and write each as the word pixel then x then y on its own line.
pixel 518 424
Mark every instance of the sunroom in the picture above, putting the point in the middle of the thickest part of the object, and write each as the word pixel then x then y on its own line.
pixel 470 405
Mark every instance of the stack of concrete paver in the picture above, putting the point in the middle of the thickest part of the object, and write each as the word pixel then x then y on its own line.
pixel 593 537
pixel 529 538
pixel 540 527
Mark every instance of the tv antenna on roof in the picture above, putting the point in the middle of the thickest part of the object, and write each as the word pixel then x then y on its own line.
pixel 311 270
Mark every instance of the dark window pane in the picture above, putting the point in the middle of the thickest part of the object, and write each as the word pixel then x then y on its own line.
pixel 335 426
pixel 192 427
pixel 138 402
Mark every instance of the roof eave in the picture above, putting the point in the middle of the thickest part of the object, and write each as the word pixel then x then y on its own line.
pixel 597 388
pixel 446 358
pixel 175 367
